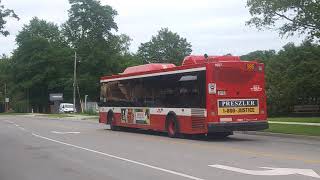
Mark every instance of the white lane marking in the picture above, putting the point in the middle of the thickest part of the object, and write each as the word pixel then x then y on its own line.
pixel 70 132
pixel 270 172
pixel 22 128
pixel 120 158
pixel 17 125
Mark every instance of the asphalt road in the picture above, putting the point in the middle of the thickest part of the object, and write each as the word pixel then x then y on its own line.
pixel 40 148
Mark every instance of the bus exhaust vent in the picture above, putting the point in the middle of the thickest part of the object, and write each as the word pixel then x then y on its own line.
pixel 198 119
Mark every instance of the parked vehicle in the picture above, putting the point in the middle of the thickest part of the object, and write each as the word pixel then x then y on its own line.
pixel 66 108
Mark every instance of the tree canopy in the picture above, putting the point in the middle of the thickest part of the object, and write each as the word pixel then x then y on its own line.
pixel 301 16
pixel 292 76
pixel 165 47
pixel 89 31
pixel 41 63
pixel 89 20
pixel 4 13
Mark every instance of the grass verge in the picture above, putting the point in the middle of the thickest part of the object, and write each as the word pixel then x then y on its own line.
pixel 57 115
pixel 294 129
pixel 297 119
pixel 13 113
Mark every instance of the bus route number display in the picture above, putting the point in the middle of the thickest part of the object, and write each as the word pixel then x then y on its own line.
pixel 238 106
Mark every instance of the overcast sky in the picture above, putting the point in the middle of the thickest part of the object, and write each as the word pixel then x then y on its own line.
pixel 214 27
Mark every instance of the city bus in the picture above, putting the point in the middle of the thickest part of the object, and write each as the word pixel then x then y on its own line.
pixel 205 95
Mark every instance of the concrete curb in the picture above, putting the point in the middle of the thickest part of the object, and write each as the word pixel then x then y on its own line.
pixel 260 133
pixel 294 123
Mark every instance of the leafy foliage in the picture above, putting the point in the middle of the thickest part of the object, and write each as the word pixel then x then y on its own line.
pixel 299 16
pixel 36 64
pixel 4 13
pixel 89 20
pixel 4 63
pixel 89 31
pixel 43 61
pixel 165 47
pixel 259 55
pixel 292 76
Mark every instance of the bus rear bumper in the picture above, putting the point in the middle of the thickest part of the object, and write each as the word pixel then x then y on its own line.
pixel 239 126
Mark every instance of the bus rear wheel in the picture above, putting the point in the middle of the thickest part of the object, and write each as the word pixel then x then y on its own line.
pixel 172 126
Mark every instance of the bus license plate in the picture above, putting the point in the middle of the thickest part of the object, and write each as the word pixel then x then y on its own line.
pixel 238 106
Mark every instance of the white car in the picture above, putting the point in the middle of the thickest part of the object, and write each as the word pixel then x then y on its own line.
pixel 66 108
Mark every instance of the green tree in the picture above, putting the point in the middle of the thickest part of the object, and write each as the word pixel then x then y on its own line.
pixel 89 20
pixel 89 31
pixel 301 16
pixel 165 47
pixel 292 76
pixel 263 55
pixel 4 62
pixel 41 64
pixel 4 13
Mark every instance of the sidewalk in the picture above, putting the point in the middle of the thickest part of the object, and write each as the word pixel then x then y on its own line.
pixel 282 135
pixel 295 123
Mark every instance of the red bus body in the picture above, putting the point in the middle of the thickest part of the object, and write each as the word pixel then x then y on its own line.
pixel 235 97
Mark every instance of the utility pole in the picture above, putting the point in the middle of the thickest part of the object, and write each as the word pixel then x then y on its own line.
pixel 85 102
pixel 5 97
pixel 74 81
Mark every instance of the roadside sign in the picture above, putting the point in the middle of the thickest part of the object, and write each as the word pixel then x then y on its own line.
pixel 56 97
pixel 7 100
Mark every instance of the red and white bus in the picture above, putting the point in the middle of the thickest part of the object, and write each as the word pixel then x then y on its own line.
pixel 205 95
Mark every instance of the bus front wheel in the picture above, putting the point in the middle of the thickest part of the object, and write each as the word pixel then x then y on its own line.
pixel 111 121
pixel 172 126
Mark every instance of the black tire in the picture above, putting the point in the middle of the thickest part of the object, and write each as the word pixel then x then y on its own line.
pixel 110 121
pixel 172 126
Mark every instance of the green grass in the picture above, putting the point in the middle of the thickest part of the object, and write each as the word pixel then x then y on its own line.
pixel 294 129
pixel 13 113
pixel 297 119
pixel 88 114
pixel 57 115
